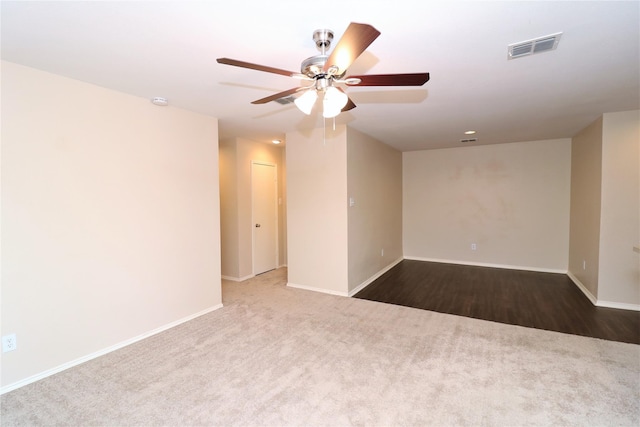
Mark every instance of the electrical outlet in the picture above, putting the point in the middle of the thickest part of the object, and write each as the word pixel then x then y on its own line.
pixel 474 246
pixel 9 343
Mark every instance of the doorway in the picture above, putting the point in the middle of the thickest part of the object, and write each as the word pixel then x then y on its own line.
pixel 264 215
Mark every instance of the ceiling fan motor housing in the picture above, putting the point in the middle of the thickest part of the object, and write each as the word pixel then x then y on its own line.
pixel 313 67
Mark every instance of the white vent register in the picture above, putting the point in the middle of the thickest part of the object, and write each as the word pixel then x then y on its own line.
pixel 533 46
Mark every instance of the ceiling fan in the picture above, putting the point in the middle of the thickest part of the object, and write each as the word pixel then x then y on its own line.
pixel 327 71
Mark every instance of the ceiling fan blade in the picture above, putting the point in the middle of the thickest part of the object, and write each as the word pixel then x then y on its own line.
pixel 409 79
pixel 243 64
pixel 354 41
pixel 278 95
pixel 350 106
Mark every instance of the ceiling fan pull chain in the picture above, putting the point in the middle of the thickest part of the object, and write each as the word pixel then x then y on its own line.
pixel 324 132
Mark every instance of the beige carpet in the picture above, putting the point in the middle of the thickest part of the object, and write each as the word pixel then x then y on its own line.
pixel 278 356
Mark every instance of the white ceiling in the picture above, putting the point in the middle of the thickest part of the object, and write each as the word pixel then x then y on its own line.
pixel 169 49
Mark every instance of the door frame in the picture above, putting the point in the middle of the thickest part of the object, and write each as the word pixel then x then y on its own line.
pixel 277 216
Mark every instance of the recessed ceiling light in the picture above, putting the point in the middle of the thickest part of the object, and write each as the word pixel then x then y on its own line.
pixel 276 141
pixel 158 100
pixel 470 132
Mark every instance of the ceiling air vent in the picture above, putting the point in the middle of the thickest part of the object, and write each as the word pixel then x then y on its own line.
pixel 529 47
pixel 469 140
pixel 286 100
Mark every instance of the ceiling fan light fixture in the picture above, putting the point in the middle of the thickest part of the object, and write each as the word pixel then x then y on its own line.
pixel 334 101
pixel 306 101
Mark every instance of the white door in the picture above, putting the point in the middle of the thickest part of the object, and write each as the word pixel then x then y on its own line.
pixel 265 216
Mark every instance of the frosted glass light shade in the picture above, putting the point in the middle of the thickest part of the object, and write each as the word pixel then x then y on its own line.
pixel 306 101
pixel 333 102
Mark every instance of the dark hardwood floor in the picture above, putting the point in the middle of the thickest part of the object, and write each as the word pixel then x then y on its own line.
pixel 537 300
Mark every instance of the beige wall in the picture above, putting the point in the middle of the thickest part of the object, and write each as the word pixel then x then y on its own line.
pixel 229 242
pixel 619 273
pixel 584 236
pixel 605 210
pixel 334 247
pixel 317 210
pixel 110 219
pixel 511 200
pixel 236 156
pixel 374 172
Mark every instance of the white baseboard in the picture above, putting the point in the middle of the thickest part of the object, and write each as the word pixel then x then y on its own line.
pixel 83 359
pixel 618 305
pixel 351 293
pixel 374 277
pixel 238 279
pixel 599 303
pixel 314 289
pixel 485 264
pixel 583 288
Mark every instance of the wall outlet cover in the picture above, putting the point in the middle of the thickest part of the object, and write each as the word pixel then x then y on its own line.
pixel 9 343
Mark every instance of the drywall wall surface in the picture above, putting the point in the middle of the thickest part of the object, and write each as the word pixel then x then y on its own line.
pixel 619 272
pixel 317 209
pixel 508 201
pixel 584 230
pixel 229 260
pixel 374 182
pixel 110 219
pixel 282 209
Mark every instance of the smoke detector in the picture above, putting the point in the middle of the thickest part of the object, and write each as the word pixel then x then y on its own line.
pixel 158 100
pixel 533 46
